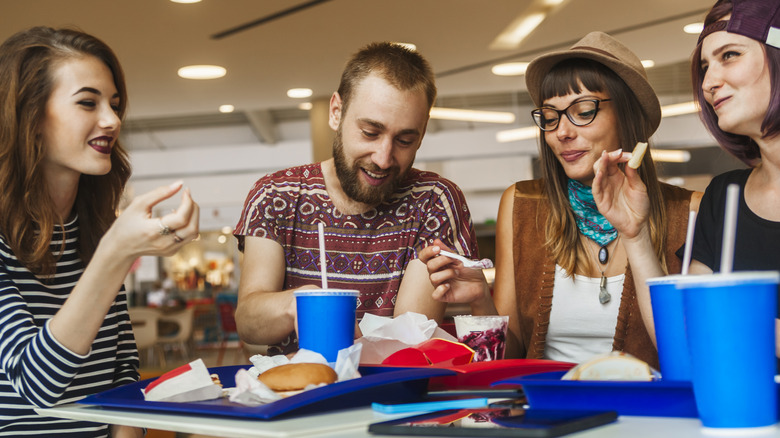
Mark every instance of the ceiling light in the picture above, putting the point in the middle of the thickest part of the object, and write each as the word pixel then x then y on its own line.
pixel 693 28
pixel 670 155
pixel 648 63
pixel 678 109
pixel 299 93
pixel 517 134
pixel 513 35
pixel 472 115
pixel 186 1
pixel 226 108
pixel 522 26
pixel 202 72
pixel 306 106
pixel 227 230
pixel 676 181
pixel 510 69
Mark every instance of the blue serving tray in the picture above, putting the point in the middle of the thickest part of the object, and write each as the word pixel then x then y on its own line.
pixel 392 386
pixel 657 398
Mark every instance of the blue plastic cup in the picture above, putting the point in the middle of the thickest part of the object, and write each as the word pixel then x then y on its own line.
pixel 730 320
pixel 326 320
pixel 670 333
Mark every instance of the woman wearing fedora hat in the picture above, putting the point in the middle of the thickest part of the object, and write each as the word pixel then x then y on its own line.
pixel 561 268
pixel 736 82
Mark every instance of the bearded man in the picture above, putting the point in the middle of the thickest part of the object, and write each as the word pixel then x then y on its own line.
pixel 377 210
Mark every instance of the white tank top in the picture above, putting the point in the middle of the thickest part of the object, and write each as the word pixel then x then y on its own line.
pixel 580 326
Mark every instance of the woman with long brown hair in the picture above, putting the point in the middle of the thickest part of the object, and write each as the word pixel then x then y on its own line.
pixel 562 274
pixel 64 252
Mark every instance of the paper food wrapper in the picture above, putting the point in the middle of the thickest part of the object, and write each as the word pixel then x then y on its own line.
pixel 251 392
pixel 383 336
pixel 187 383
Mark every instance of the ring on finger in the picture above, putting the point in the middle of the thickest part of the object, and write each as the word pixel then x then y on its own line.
pixel 176 238
pixel 164 229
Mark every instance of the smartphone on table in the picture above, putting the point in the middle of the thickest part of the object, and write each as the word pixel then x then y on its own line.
pixel 496 421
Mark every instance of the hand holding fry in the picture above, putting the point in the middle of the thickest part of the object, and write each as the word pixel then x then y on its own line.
pixel 620 196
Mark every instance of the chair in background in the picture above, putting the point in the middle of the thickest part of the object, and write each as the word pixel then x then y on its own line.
pixel 180 339
pixel 144 321
pixel 226 307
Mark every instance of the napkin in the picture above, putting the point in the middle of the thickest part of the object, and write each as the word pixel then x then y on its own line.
pixel 383 336
pixel 187 383
pixel 251 392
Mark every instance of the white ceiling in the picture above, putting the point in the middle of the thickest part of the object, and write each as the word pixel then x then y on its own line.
pixel 153 38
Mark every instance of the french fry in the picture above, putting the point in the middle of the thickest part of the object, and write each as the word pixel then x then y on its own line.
pixel 637 155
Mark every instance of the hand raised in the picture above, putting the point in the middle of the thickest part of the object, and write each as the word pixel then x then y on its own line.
pixel 135 232
pixel 620 195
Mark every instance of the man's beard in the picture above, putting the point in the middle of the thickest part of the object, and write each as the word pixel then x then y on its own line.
pixel 350 181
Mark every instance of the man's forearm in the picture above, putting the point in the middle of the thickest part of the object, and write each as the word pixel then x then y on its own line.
pixel 264 318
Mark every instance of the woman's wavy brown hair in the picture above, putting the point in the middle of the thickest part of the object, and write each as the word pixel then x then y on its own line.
pixel 28 60
pixel 562 237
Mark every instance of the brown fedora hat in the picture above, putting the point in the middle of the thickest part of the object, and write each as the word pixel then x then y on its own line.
pixel 608 51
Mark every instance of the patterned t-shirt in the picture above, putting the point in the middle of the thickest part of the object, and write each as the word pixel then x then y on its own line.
pixel 368 252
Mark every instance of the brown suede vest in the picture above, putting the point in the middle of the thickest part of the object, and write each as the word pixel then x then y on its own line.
pixel 535 272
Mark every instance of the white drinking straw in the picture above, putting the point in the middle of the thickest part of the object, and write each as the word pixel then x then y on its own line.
pixel 729 229
pixel 323 258
pixel 688 243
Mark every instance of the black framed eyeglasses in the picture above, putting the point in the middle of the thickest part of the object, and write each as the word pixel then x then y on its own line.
pixel 580 113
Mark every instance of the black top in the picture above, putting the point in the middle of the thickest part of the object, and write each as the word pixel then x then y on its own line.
pixel 757 246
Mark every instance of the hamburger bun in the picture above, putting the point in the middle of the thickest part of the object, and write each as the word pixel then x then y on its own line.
pixel 296 376
pixel 614 366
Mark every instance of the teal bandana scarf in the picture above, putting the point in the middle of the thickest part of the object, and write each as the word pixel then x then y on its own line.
pixel 590 222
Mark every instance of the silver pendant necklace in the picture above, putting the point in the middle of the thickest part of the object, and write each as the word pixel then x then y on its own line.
pixel 604 259
pixel 604 295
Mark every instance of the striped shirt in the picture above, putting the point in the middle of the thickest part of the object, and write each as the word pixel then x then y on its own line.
pixel 368 252
pixel 35 369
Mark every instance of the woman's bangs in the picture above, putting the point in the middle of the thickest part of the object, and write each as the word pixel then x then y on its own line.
pixel 571 77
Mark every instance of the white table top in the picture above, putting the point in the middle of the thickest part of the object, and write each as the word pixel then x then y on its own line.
pixel 336 423
pixel 352 423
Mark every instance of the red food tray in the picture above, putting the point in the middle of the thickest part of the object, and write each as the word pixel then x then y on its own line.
pixel 478 375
